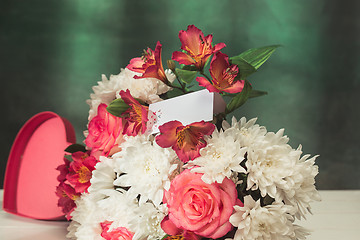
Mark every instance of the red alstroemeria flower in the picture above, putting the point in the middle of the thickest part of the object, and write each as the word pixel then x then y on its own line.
pixel 136 116
pixel 223 76
pixel 187 140
pixel 140 64
pixel 67 196
pixel 80 171
pixel 64 170
pixel 150 65
pixel 197 47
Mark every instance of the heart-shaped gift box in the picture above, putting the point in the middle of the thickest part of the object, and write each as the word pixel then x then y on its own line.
pixel 31 175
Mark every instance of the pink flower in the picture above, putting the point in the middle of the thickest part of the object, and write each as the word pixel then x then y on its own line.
pixel 196 206
pixel 64 170
pixel 136 116
pixel 223 76
pixel 67 196
pixel 140 64
pixel 197 48
pixel 150 65
pixel 80 171
pixel 120 233
pixel 105 132
pixel 187 140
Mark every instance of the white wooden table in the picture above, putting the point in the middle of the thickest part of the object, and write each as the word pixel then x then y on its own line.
pixel 336 217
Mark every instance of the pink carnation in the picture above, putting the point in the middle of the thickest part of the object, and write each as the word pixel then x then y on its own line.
pixel 105 132
pixel 198 207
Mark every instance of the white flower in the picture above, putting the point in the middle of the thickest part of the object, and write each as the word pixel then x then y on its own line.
pixel 268 162
pixel 118 209
pixel 146 222
pixel 271 222
pixel 299 189
pixel 104 92
pixel 220 158
pixel 103 176
pixel 86 218
pixel 247 131
pixel 146 89
pixel 280 171
pixel 147 168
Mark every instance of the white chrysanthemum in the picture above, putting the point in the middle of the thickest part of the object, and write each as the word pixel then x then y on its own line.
pixel 86 218
pixel 269 162
pixel 146 222
pixel 103 176
pixel 221 157
pixel 146 89
pixel 277 170
pixel 299 189
pixel 247 131
pixel 265 223
pixel 104 92
pixel 146 168
pixel 118 209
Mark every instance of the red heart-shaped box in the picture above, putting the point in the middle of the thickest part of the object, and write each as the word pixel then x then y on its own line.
pixel 31 175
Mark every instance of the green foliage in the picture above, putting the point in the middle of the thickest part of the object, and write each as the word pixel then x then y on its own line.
pixel 256 56
pixel 239 99
pixel 174 93
pixel 68 157
pixel 75 148
pixel 257 93
pixel 187 76
pixel 117 107
pixel 245 69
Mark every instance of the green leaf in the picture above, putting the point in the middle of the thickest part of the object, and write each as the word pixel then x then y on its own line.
pixel 117 107
pixel 257 56
pixel 257 93
pixel 245 69
pixel 174 93
pixel 188 67
pixel 239 99
pixel 75 148
pixel 167 235
pixel 68 157
pixel 185 75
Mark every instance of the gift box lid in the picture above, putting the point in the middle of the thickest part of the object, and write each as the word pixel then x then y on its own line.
pixel 31 175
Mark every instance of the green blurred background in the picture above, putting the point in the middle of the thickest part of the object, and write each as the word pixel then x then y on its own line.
pixel 53 52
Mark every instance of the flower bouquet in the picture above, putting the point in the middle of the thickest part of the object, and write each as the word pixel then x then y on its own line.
pixel 201 179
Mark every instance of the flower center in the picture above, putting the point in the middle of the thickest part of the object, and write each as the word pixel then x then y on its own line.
pixel 84 174
pixel 138 113
pixel 216 155
pixel 180 135
pixel 175 237
pixel 262 226
pixel 229 74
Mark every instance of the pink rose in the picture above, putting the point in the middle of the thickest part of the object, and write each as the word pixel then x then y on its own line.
pixel 198 207
pixel 105 132
pixel 117 233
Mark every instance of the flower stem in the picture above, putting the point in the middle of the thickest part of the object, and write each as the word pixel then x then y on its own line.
pixel 183 86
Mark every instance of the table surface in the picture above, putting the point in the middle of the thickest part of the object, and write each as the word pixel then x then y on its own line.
pixel 336 217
